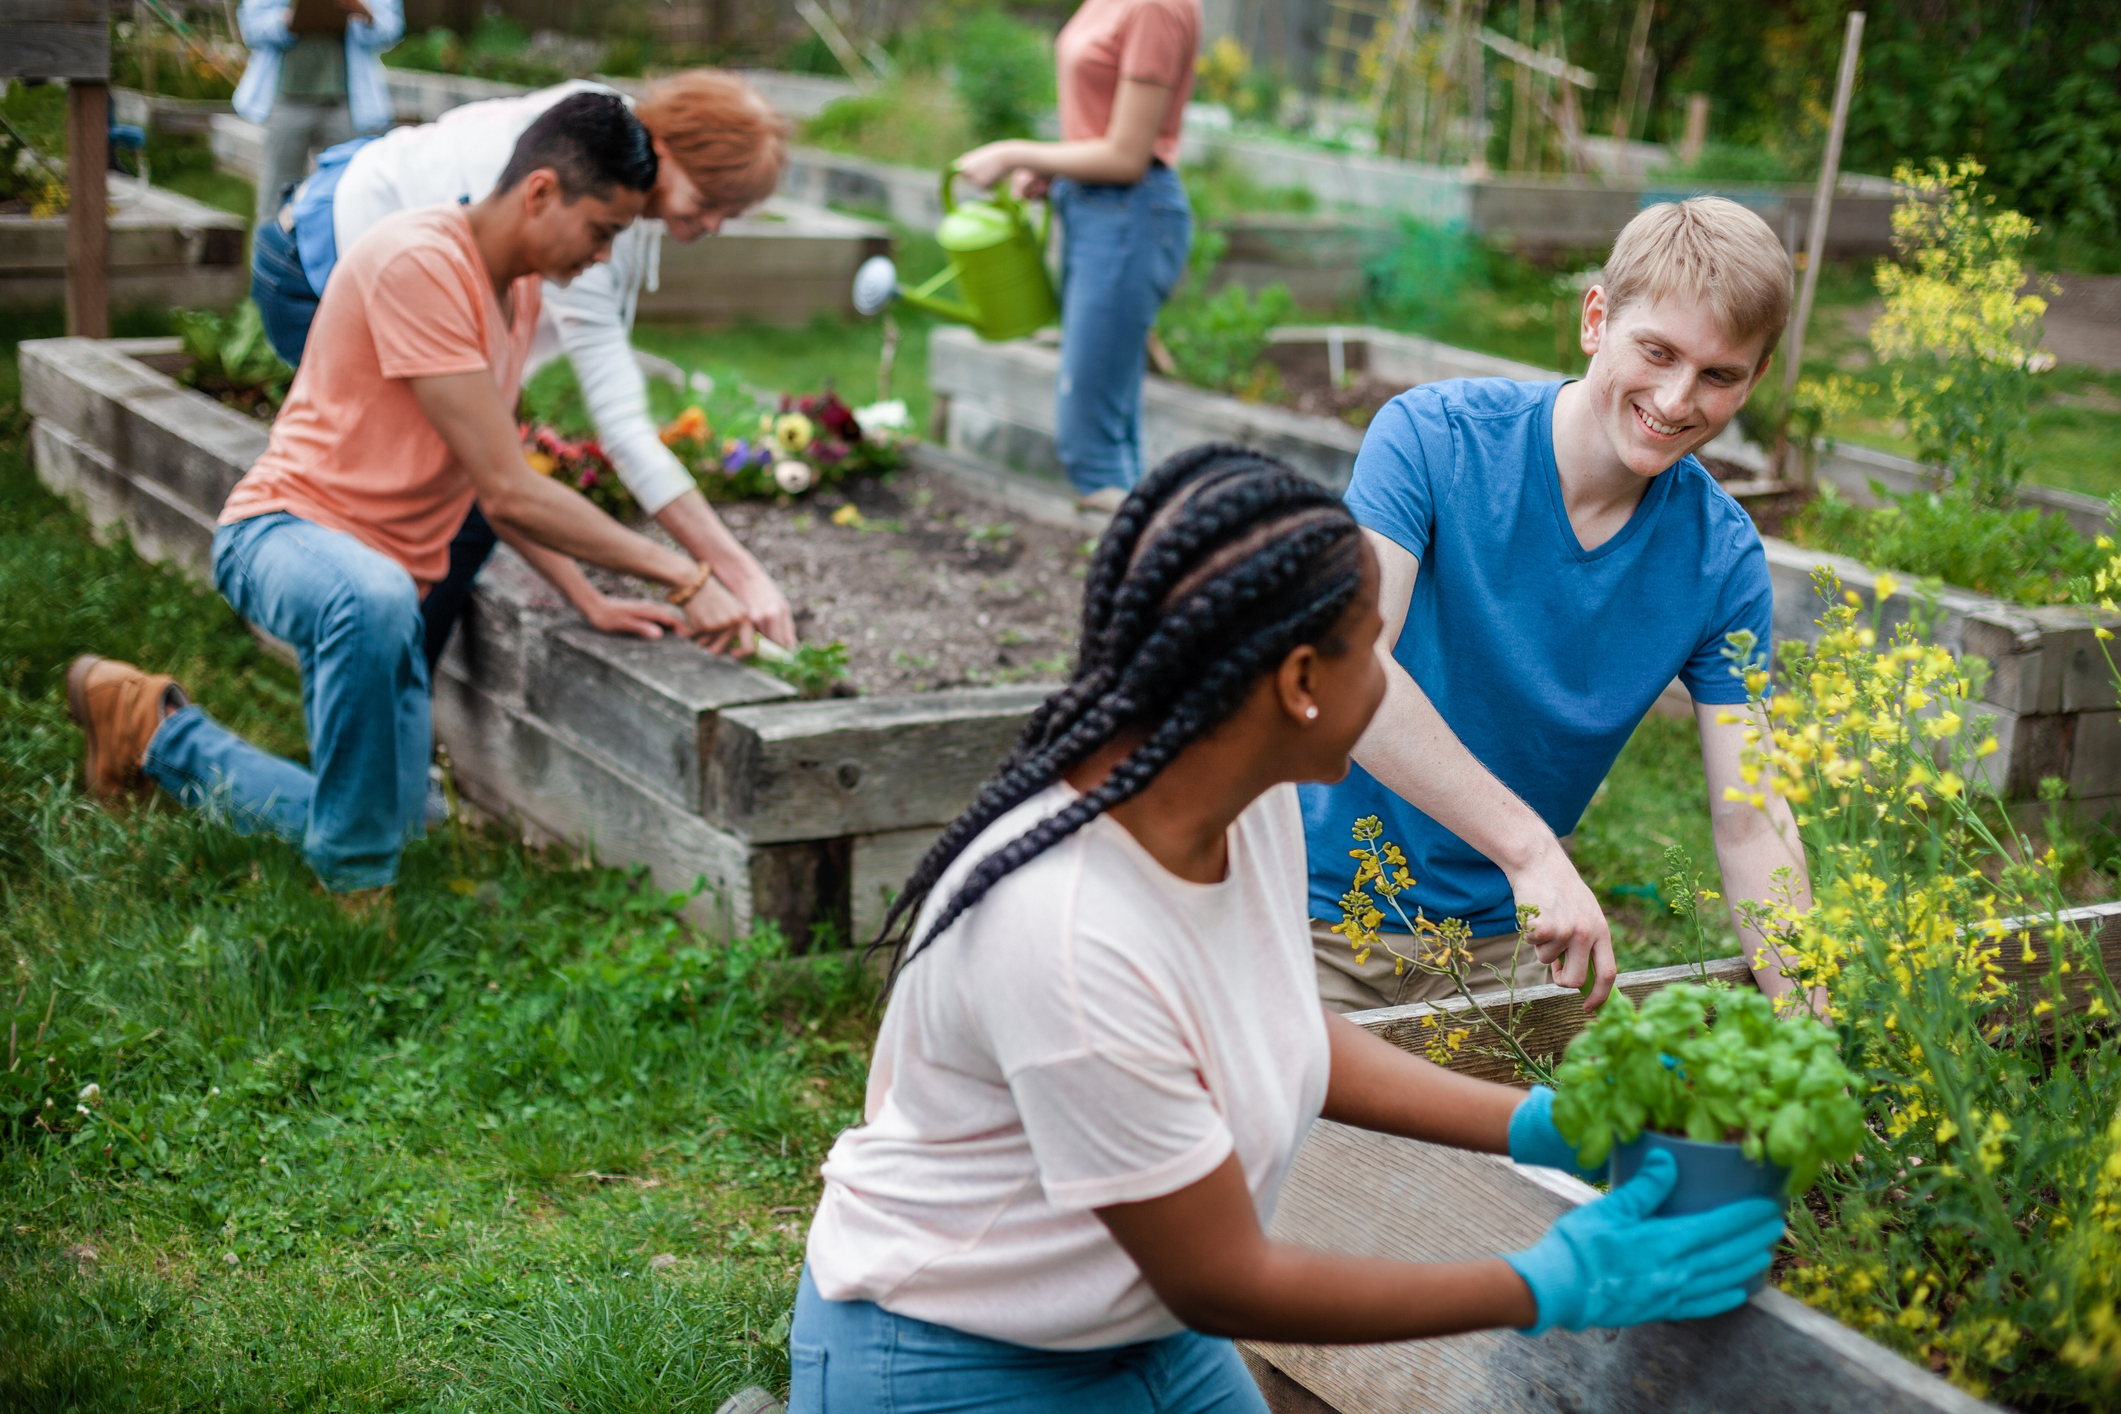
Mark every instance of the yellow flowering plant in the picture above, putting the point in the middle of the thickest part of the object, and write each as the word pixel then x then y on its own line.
pixel 1978 1226
pixel 1958 331
pixel 1424 946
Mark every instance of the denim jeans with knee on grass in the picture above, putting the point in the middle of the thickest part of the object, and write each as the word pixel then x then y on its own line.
pixel 854 1356
pixel 353 616
pixel 1123 249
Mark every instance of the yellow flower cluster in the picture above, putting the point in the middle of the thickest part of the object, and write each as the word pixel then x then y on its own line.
pixel 1958 296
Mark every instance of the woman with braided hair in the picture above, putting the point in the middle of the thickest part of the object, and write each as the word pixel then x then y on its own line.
pixel 1104 1045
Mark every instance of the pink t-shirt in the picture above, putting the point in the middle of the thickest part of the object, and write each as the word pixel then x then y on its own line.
pixel 1095 1031
pixel 1110 40
pixel 351 449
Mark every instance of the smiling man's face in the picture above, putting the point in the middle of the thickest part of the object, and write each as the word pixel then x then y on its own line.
pixel 1665 378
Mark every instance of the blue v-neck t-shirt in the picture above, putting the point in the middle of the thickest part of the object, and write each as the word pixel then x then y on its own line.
pixel 1541 655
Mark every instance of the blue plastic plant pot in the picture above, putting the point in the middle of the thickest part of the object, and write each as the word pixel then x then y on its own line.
pixel 1710 1175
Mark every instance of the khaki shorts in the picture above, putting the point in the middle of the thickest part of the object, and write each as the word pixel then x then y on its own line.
pixel 1345 985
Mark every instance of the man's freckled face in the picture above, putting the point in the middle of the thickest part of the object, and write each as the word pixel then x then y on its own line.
pixel 1665 378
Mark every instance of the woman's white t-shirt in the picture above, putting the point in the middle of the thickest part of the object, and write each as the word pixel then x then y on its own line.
pixel 1095 1031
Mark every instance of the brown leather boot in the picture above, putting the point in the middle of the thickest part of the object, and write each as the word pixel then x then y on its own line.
pixel 119 707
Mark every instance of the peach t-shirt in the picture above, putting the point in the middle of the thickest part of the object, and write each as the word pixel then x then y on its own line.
pixel 1110 40
pixel 351 450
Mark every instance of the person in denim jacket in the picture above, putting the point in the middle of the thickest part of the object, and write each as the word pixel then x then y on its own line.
pixel 314 87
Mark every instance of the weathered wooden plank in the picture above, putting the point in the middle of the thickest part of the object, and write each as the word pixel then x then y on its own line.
pixel 646 704
pixel 143 420
pixel 60 12
pixel 858 766
pixel 1283 1395
pixel 161 525
pixel 510 763
pixel 2028 977
pixel 1544 1019
pixel 49 49
pixel 882 863
pixel 1372 1195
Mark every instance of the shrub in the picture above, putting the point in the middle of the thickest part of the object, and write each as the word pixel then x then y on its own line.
pixel 1422 274
pixel 1004 75
pixel 2027 554
pixel 1217 340
pixel 1715 1065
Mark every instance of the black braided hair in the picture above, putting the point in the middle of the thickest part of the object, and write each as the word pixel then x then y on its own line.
pixel 1221 562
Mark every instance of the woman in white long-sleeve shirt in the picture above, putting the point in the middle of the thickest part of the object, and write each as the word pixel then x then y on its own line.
pixel 721 148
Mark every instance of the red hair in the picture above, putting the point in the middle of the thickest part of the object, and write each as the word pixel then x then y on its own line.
pixel 725 136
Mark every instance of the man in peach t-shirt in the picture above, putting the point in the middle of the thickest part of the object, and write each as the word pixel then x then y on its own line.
pixel 401 416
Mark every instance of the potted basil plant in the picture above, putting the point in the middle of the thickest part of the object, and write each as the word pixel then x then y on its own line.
pixel 1750 1104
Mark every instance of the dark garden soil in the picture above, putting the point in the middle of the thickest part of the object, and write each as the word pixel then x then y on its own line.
pixel 1354 403
pixel 928 585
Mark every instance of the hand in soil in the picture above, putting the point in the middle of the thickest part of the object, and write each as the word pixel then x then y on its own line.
pixel 764 603
pixel 643 618
pixel 718 623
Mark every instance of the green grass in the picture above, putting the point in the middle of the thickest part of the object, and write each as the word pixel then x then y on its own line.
pixel 440 1152
pixel 1654 799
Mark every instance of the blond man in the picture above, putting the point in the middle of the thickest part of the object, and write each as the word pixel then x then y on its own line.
pixel 1553 556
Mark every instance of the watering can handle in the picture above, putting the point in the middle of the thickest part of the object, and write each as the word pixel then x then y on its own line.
pixel 999 196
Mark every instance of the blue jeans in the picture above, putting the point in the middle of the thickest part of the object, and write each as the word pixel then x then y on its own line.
pixel 1124 248
pixel 854 1356
pixel 286 303
pixel 353 617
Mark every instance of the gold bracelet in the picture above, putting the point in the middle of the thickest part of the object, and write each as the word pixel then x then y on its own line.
pixel 699 582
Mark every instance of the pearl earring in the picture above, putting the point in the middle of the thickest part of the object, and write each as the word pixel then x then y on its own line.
pixel 1311 714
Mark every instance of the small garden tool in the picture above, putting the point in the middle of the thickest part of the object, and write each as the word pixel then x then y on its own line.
pixel 996 259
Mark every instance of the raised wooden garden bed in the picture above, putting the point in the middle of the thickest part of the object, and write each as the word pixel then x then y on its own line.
pixel 165 250
pixel 1354 1191
pixel 1534 215
pixel 785 263
pixel 644 753
pixel 2049 690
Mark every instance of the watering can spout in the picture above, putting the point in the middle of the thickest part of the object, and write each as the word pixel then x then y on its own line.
pixel 876 285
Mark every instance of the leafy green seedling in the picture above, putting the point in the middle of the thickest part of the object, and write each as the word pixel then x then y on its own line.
pixel 1711 1065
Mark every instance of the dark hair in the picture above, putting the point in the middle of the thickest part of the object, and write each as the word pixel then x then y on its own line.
pixel 592 142
pixel 1222 561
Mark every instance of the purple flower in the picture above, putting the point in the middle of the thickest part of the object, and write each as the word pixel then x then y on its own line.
pixel 739 456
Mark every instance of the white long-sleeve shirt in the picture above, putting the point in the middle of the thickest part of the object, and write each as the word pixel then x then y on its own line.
pixel 460 157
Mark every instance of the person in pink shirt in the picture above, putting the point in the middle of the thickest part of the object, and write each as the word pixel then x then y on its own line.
pixel 401 416
pixel 1126 71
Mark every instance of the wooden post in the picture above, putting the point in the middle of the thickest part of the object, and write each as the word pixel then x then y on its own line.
pixel 1521 103
pixel 1631 79
pixel 1822 205
pixel 1697 128
pixel 70 39
pixel 87 231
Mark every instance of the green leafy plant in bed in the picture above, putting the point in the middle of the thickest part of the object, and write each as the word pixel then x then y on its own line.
pixel 2024 554
pixel 1219 341
pixel 232 360
pixel 1715 1065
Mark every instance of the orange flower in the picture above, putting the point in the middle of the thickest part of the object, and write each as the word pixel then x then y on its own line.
pixel 689 426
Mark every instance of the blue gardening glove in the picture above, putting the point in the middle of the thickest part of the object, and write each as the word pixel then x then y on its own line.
pixel 1610 1264
pixel 1535 1140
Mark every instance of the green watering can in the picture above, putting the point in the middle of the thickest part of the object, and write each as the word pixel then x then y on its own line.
pixel 997 261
